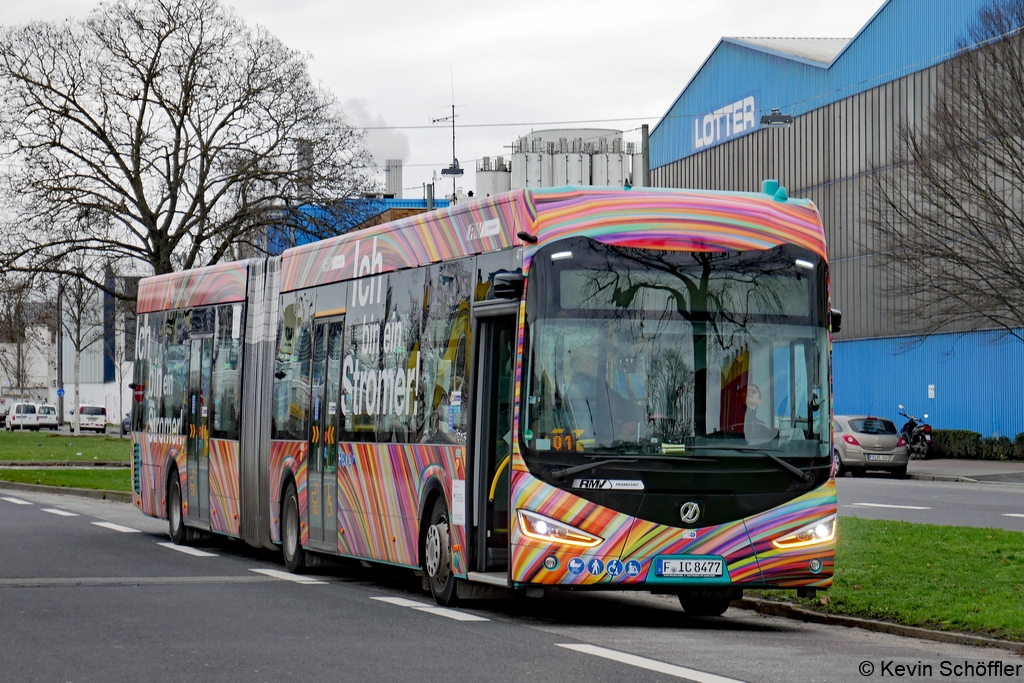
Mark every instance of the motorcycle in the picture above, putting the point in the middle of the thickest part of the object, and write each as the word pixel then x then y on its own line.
pixel 918 435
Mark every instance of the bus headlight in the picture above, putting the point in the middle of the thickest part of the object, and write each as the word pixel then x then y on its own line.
pixel 822 531
pixel 544 528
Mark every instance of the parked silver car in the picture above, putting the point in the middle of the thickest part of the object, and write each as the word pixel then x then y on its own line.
pixel 867 443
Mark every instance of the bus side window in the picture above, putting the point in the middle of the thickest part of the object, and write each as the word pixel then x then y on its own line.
pixel 447 295
pixel 226 375
pixel 292 368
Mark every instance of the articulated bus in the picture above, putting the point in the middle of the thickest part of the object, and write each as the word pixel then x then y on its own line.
pixel 575 388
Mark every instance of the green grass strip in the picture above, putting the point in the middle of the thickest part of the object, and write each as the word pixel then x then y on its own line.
pixel 42 447
pixel 105 479
pixel 943 577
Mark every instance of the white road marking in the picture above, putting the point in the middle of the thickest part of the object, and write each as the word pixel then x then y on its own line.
pixel 194 552
pixel 451 614
pixel 62 513
pixel 431 609
pixel 882 505
pixel 16 501
pixel 286 576
pixel 649 664
pixel 402 602
pixel 118 527
pixel 1012 514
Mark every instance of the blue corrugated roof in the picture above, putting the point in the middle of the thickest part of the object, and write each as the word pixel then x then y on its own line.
pixel 902 37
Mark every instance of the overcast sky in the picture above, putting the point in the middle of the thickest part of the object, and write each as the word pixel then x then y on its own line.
pixel 531 62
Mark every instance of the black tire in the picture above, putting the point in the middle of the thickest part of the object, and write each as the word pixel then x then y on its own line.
pixel 291 531
pixel 840 470
pixel 900 472
pixel 704 606
pixel 175 519
pixel 437 556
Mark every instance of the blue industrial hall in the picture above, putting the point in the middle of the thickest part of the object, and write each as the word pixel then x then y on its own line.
pixel 848 98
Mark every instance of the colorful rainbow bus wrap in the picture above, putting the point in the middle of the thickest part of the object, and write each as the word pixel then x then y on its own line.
pixel 578 388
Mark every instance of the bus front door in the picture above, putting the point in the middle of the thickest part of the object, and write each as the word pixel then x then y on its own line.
pixel 322 477
pixel 493 440
pixel 200 400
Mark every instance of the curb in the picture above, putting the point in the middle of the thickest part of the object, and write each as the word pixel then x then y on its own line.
pixel 116 496
pixel 945 477
pixel 955 478
pixel 791 611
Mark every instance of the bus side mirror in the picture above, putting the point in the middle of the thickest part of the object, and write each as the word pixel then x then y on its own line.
pixel 508 285
pixel 835 320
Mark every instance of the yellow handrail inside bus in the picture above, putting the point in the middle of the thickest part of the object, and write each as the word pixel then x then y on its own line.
pixel 494 483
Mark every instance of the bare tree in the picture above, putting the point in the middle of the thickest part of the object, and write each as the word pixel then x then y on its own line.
pixel 949 211
pixel 82 323
pixel 165 134
pixel 14 301
pixel 119 342
pixel 26 327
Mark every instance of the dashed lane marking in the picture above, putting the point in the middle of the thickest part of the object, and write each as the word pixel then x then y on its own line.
pixel 402 602
pixel 62 513
pixel 431 609
pixel 16 501
pixel 883 505
pixel 649 664
pixel 285 576
pixel 128 581
pixel 1012 514
pixel 117 527
pixel 194 552
pixel 451 613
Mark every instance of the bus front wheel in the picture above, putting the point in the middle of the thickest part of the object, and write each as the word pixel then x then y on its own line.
pixel 291 534
pixel 175 520
pixel 437 553
pixel 704 605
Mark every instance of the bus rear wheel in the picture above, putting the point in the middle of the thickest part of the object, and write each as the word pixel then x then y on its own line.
pixel 291 534
pixel 437 552
pixel 175 520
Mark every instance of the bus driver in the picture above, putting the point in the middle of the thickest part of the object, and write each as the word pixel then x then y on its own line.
pixel 604 415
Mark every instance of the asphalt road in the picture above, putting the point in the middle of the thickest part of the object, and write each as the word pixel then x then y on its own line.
pixel 997 505
pixel 88 593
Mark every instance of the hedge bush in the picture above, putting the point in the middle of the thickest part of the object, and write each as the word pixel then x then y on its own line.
pixel 967 445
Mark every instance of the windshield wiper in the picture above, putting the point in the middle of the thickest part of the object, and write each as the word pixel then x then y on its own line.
pixel 565 472
pixel 562 473
pixel 802 475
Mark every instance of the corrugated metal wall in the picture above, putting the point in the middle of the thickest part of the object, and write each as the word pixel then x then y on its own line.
pixel 847 118
pixel 978 379
pixel 827 156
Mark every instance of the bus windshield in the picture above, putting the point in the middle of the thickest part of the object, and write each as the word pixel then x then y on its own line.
pixel 634 351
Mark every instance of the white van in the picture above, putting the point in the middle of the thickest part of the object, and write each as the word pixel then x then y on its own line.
pixel 46 416
pixel 22 416
pixel 93 417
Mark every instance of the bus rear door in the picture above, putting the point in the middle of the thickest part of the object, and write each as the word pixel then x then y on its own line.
pixel 198 414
